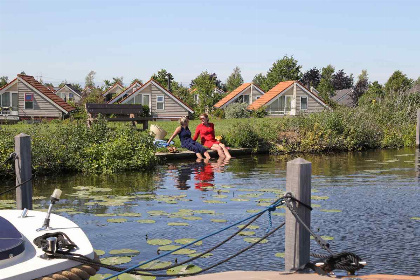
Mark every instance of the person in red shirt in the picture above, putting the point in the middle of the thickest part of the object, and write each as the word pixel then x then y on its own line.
pixel 206 131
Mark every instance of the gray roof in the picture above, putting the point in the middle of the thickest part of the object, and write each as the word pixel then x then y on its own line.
pixel 415 88
pixel 343 97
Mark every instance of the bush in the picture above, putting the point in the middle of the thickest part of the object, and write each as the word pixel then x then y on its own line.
pixel 218 113
pixel 243 136
pixel 237 111
pixel 259 113
pixel 146 111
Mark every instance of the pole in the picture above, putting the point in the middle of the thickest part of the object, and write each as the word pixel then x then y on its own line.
pixel 297 239
pixel 23 167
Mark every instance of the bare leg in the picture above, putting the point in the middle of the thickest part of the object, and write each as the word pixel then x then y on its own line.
pixel 226 151
pixel 199 156
pixel 219 150
pixel 206 154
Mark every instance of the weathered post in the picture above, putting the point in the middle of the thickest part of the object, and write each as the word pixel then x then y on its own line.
pixel 418 129
pixel 23 167
pixel 298 182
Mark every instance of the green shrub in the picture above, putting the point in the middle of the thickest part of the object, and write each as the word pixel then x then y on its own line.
pixel 218 113
pixel 237 111
pixel 259 113
pixel 243 136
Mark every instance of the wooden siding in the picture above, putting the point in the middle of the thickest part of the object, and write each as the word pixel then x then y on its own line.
pixel 42 106
pixel 65 92
pixel 13 88
pixel 172 108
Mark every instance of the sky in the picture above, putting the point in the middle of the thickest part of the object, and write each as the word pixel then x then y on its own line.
pixel 64 40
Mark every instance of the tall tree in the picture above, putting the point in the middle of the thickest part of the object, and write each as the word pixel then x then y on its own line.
pixel 3 81
pixel 325 87
pixel 398 83
pixel 341 80
pixel 136 80
pixel 311 78
pixel 361 87
pixel 375 92
pixel 162 77
pixel 285 69
pixel 90 79
pixel 204 84
pixel 107 84
pixel 260 81
pixel 234 80
pixel 118 80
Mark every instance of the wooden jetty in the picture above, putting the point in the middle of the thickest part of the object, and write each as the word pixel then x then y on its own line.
pixel 191 155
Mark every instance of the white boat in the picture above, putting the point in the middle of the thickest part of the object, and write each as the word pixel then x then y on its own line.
pixel 20 258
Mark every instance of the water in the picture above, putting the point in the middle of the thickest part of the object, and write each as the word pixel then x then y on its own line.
pixel 373 195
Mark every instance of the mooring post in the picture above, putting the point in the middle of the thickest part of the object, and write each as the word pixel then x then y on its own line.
pixel 418 129
pixel 23 167
pixel 297 240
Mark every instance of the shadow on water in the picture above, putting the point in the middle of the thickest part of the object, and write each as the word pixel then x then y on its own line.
pixel 367 202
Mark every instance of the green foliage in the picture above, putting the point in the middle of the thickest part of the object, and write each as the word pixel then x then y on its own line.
pixel 398 83
pixel 259 113
pixel 204 85
pixel 244 135
pixel 90 79
pixel 218 113
pixel 326 87
pixel 234 80
pixel 237 111
pixel 3 81
pixel 260 81
pixel 146 111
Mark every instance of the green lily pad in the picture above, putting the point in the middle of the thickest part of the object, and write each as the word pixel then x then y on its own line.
pixel 315 205
pixel 168 247
pixel 227 186
pixel 192 218
pixel 318 197
pixel 239 199
pixel 184 269
pixel 125 252
pixel 146 221
pixel 121 220
pixel 184 241
pixel 278 214
pixel 99 252
pixel 254 240
pixel 246 233
pixel 115 260
pixel 184 252
pixel 159 242
pixel 157 213
pixel 106 215
pixel 155 264
pixel 415 218
pixel 249 227
pixel 253 211
pixel 218 221
pixel 208 255
pixel 130 214
pixel 214 201
pixel 331 210
pixel 325 237
pixel 178 224
pixel 220 196
pixel 279 255
pixel 38 197
pixel 211 212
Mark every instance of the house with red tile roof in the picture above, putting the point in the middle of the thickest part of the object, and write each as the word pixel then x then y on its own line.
pixel 289 98
pixel 245 93
pixel 26 98
pixel 113 91
pixel 162 103
pixel 132 88
pixel 69 93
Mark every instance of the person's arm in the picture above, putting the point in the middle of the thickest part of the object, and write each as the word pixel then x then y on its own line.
pixel 212 131
pixel 197 132
pixel 176 132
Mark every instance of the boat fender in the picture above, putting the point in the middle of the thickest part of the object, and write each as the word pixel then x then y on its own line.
pixel 63 243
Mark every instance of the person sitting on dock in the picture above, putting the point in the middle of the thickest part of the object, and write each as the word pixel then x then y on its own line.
pixel 186 142
pixel 208 140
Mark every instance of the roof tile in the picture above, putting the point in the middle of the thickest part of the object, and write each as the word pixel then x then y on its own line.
pixel 232 95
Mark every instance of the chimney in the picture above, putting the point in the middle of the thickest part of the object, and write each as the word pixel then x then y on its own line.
pixel 169 82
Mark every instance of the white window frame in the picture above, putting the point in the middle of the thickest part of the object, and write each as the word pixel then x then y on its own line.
pixel 33 100
pixel 304 109
pixel 163 102
pixel 148 103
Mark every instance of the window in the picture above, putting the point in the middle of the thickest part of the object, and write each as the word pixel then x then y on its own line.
pixel 303 103
pixel 29 100
pixel 15 101
pixel 137 99
pixel 288 103
pixel 146 99
pixel 160 102
pixel 71 96
pixel 246 99
pixel 6 99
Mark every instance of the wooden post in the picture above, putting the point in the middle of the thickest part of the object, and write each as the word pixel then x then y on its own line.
pixel 23 167
pixel 418 129
pixel 297 240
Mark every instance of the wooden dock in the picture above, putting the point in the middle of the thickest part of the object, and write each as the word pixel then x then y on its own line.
pixel 191 155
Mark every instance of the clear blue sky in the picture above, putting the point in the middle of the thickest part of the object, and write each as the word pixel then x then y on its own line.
pixel 61 39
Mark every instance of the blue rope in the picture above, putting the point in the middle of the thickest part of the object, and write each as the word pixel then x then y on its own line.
pixel 272 206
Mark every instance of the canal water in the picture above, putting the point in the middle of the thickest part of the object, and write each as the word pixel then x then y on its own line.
pixel 364 202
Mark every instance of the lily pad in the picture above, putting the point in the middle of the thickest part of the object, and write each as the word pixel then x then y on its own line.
pixel 146 221
pixel 157 213
pixel 253 211
pixel 155 264
pixel 184 269
pixel 318 197
pixel 415 218
pixel 254 240
pixel 315 205
pixel 218 221
pixel 279 255
pixel 99 252
pixel 121 220
pixel 130 214
pixel 211 212
pixel 239 199
pixel 159 242
pixel 249 227
pixel 214 201
pixel 106 215
pixel 178 224
pixel 325 237
pixel 184 252
pixel 184 241
pixel 115 260
pixel 168 247
pixel 125 252
pixel 220 196
pixel 278 214
pixel 247 233
pixel 331 210
pixel 208 255
pixel 192 218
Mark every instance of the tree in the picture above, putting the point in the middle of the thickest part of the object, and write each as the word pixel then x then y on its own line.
pixel 325 87
pixel 63 83
pixel 107 84
pixel 341 81
pixel 361 87
pixel 48 85
pixel 118 80
pixel 234 80
pixel 3 81
pixel 162 77
pixel 23 73
pixel 135 80
pixel 77 87
pixel 285 69
pixel 89 80
pixel 204 84
pixel 259 80
pixel 311 78
pixel 398 83
pixel 374 93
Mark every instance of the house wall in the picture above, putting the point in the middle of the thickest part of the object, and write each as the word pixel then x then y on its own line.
pixel 65 92
pixel 42 107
